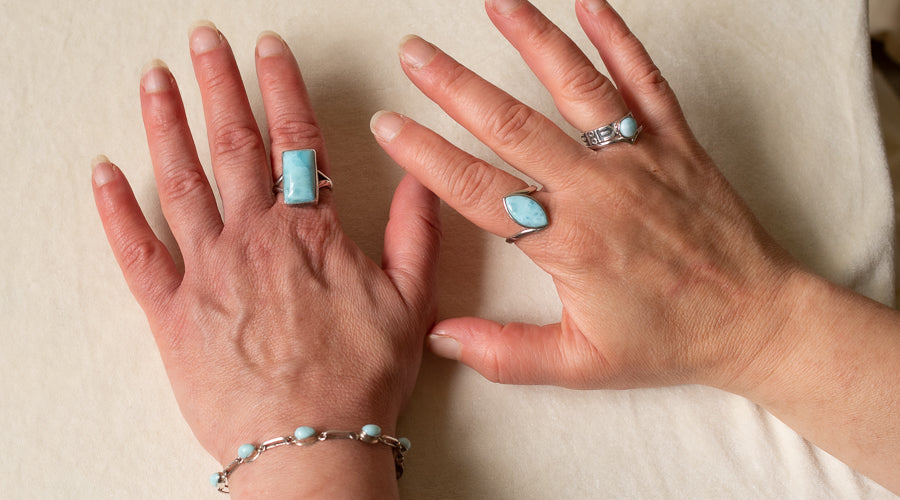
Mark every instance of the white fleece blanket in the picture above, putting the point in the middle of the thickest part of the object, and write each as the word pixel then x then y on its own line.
pixel 780 93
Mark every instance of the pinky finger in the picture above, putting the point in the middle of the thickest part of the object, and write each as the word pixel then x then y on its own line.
pixel 146 263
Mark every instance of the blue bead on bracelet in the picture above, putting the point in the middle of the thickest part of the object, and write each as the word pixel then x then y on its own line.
pixel 307 436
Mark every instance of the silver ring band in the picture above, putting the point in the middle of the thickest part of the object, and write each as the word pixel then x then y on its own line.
pixel 625 129
pixel 325 182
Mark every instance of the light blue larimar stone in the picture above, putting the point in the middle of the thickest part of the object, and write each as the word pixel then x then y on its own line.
pixel 304 433
pixel 246 450
pixel 405 443
pixel 214 480
pixel 525 211
pixel 628 127
pixel 371 430
pixel 301 181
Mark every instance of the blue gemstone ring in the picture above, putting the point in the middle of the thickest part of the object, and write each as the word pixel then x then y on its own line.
pixel 526 212
pixel 625 129
pixel 300 180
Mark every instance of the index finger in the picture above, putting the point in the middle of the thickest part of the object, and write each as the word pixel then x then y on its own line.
pixel 520 135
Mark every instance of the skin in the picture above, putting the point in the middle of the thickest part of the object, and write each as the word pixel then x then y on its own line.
pixel 664 275
pixel 279 320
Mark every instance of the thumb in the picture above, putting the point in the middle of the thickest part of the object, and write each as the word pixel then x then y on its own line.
pixel 517 353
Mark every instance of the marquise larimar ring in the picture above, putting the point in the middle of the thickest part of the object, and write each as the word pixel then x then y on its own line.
pixel 624 129
pixel 300 180
pixel 525 211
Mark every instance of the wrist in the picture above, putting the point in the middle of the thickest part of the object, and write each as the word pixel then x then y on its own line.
pixel 332 469
pixel 362 463
pixel 811 321
pixel 766 336
pixel 281 413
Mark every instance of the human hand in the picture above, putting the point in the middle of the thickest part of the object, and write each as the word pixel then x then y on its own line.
pixel 661 269
pixel 278 320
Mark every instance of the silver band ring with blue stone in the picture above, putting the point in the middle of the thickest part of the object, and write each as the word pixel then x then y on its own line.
pixel 526 212
pixel 300 180
pixel 625 129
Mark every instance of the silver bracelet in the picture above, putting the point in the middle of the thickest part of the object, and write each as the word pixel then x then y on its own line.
pixel 307 436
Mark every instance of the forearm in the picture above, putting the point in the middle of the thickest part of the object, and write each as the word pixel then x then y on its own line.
pixel 833 375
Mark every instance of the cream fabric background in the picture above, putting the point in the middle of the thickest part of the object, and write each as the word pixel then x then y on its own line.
pixel 780 93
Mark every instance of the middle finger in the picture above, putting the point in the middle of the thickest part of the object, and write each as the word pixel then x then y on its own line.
pixel 584 97
pixel 517 133
pixel 236 146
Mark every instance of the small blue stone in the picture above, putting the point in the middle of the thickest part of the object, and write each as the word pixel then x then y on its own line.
pixel 214 479
pixel 246 450
pixel 304 433
pixel 628 127
pixel 372 430
pixel 405 443
pixel 301 180
pixel 526 211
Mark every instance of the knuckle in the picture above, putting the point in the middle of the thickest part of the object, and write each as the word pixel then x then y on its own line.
pixel 543 34
pixel 453 83
pixel 649 79
pixel 183 181
pixel 431 225
pixel 490 366
pixel 467 182
pixel 136 255
pixel 236 140
pixel 291 132
pixel 587 85
pixel 511 125
pixel 163 121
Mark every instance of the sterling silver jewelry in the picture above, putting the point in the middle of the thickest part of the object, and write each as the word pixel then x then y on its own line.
pixel 307 436
pixel 624 129
pixel 301 180
pixel 525 211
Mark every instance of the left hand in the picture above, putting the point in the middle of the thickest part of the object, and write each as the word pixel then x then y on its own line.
pixel 279 320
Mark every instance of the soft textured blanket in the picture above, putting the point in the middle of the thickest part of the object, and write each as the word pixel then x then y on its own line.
pixel 780 93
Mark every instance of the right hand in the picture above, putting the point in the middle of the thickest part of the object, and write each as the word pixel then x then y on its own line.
pixel 664 274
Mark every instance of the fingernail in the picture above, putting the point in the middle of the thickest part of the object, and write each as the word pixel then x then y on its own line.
pixel 505 6
pixel 416 52
pixel 204 37
pixel 102 171
pixel 445 347
pixel 156 77
pixel 386 125
pixel 270 43
pixel 594 6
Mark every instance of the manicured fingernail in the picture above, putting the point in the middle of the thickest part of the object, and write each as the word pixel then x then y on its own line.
pixel 594 6
pixel 156 77
pixel 416 52
pixel 386 125
pixel 102 171
pixel 445 347
pixel 270 44
pixel 505 6
pixel 204 37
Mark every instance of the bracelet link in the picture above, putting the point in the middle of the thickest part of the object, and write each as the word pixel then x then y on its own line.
pixel 307 436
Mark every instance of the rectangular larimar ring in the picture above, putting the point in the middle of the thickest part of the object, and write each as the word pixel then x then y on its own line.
pixel 300 177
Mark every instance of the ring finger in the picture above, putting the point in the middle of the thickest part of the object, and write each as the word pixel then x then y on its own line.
pixel 291 120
